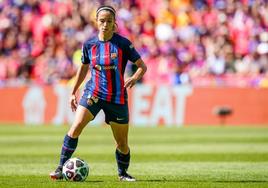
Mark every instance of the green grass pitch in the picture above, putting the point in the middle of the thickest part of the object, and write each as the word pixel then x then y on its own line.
pixel 161 157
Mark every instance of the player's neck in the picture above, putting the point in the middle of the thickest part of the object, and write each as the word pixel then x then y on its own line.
pixel 105 36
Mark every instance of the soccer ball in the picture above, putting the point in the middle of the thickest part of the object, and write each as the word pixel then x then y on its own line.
pixel 75 169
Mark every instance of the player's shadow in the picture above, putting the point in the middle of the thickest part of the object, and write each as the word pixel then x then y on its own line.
pixel 87 181
pixel 94 181
pixel 179 181
pixel 214 181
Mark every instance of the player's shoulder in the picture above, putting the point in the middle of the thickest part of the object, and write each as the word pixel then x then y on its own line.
pixel 122 41
pixel 120 37
pixel 90 42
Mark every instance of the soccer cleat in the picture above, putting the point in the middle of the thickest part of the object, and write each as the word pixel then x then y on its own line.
pixel 126 177
pixel 57 174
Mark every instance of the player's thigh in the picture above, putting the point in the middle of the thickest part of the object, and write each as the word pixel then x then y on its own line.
pixel 86 111
pixel 117 116
pixel 82 117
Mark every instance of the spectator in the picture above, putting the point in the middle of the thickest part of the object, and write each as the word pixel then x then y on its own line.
pixel 193 40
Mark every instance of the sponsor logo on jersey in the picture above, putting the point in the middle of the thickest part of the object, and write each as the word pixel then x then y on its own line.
pixel 105 67
pixel 98 67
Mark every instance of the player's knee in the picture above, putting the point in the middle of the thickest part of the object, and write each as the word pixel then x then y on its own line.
pixel 123 147
pixel 75 131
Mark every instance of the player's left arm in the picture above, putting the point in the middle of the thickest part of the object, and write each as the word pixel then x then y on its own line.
pixel 142 68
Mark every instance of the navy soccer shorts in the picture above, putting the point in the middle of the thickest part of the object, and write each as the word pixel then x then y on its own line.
pixel 117 113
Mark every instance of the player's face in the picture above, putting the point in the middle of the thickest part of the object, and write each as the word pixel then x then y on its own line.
pixel 105 21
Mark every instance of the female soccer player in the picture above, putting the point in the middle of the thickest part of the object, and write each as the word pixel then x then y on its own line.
pixel 106 57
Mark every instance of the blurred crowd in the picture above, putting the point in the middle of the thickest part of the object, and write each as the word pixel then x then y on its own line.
pixel 199 42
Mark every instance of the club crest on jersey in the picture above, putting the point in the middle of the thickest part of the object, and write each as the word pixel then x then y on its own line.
pixel 113 55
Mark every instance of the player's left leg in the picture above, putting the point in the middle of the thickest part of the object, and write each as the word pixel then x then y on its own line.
pixel 117 116
pixel 122 153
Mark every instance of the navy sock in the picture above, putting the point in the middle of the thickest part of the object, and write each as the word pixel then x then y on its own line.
pixel 68 147
pixel 122 161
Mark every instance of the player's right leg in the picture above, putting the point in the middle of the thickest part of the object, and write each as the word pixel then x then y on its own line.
pixel 82 117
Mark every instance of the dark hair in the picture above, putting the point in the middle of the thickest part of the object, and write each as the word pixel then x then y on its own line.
pixel 106 7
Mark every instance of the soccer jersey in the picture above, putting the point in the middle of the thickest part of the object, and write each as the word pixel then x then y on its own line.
pixel 107 61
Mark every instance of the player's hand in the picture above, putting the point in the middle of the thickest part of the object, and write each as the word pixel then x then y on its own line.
pixel 130 82
pixel 73 102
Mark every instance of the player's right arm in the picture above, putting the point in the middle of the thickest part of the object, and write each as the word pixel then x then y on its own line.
pixel 80 76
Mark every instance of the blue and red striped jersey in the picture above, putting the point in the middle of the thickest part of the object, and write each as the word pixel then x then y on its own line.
pixel 107 61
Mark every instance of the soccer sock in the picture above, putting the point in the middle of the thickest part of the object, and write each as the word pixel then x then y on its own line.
pixel 122 161
pixel 68 147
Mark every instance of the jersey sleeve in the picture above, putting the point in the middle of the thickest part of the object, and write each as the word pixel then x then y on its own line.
pixel 85 57
pixel 133 55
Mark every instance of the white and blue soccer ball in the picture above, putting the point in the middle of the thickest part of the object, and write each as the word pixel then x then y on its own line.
pixel 75 169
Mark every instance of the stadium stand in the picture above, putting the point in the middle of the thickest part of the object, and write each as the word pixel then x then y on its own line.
pixel 199 42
